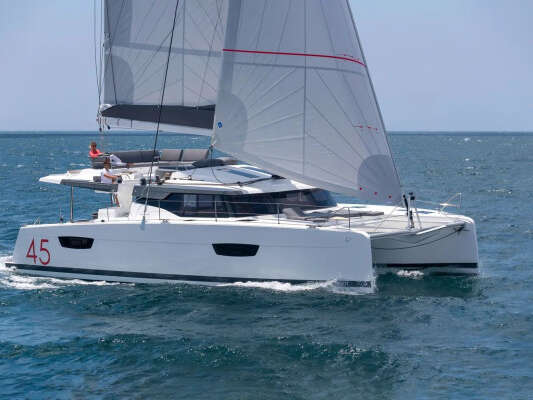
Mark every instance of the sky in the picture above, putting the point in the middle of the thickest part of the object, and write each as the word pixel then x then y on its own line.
pixel 448 65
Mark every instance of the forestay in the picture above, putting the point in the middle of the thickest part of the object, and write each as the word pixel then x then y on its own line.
pixel 136 48
pixel 295 98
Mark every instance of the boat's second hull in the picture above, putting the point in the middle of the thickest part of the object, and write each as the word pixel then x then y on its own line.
pixel 446 249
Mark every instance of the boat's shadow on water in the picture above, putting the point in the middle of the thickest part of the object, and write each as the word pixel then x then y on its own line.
pixel 428 286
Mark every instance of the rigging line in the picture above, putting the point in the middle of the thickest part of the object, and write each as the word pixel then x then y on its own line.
pixel 211 149
pixel 160 112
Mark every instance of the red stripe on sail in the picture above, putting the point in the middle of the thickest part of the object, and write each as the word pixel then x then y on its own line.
pixel 344 58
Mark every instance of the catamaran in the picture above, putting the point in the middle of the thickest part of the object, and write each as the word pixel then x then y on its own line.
pixel 282 87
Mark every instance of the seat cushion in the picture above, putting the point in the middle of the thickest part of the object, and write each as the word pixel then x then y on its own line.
pixel 130 156
pixel 147 155
pixel 190 155
pixel 135 156
pixel 170 155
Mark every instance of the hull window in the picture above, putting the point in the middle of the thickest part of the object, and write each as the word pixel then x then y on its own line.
pixel 76 242
pixel 235 249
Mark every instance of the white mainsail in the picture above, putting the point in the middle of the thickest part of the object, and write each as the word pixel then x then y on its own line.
pixel 295 98
pixel 136 49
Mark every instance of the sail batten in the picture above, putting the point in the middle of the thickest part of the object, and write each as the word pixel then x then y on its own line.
pixel 295 98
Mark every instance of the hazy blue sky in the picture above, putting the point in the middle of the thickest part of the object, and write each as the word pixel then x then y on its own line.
pixel 436 65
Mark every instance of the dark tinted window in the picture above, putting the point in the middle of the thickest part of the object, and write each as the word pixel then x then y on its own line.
pixel 204 205
pixel 76 242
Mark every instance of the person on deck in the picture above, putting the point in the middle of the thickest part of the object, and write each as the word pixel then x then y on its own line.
pixel 94 152
pixel 106 176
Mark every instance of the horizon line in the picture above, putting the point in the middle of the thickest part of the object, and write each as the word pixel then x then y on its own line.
pixel 393 131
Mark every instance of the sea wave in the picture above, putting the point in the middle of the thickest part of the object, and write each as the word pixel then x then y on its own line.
pixel 13 280
pixel 410 274
pixel 331 285
pixel 10 279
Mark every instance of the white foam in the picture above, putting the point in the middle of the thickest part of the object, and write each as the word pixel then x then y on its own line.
pixel 410 274
pixel 10 279
pixel 289 287
pixel 282 286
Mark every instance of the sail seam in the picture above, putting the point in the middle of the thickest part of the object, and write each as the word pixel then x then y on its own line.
pixel 283 53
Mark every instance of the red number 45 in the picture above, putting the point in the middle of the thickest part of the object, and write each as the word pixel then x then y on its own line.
pixel 31 252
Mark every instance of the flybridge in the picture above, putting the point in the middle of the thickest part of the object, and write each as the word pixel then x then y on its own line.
pixel 177 170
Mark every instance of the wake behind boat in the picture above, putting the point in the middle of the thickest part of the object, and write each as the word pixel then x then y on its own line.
pixel 282 86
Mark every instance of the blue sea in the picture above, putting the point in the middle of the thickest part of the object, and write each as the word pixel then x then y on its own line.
pixel 416 337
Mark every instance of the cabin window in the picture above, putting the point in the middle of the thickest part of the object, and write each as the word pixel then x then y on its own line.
pixel 224 206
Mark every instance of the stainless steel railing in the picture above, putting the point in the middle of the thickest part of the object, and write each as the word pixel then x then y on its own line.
pixel 223 209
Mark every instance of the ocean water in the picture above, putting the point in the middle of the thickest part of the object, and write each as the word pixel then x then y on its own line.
pixel 416 337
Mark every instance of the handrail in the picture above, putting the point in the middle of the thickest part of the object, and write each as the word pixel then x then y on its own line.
pixel 447 203
pixel 217 209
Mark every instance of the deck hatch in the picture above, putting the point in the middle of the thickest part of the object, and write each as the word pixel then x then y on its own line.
pixel 76 242
pixel 236 249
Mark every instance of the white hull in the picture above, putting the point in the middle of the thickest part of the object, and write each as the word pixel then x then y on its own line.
pixel 184 251
pixel 209 251
pixel 446 249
